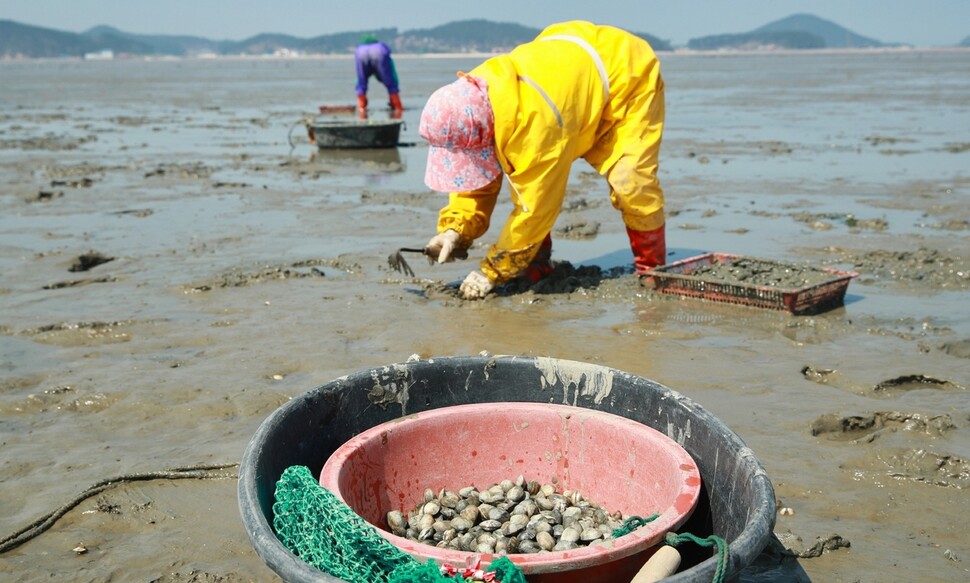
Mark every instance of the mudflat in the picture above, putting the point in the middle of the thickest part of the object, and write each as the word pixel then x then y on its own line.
pixel 176 262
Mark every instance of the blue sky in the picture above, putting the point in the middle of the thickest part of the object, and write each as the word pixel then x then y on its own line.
pixel 924 24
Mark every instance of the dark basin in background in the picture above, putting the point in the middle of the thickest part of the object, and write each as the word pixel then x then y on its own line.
pixel 356 133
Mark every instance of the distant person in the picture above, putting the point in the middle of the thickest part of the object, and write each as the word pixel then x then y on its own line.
pixel 374 60
pixel 577 91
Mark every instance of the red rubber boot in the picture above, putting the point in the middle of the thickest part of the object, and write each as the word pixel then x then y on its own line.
pixel 397 109
pixel 649 248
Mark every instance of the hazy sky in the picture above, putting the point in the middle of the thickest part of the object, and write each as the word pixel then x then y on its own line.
pixel 923 24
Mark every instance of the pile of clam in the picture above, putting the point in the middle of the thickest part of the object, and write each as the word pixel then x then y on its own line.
pixel 514 516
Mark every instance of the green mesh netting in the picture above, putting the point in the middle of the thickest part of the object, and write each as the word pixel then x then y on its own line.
pixel 327 534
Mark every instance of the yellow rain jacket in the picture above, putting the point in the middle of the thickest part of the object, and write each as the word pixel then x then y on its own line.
pixel 577 91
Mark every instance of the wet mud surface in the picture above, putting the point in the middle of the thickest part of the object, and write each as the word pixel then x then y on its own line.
pixel 758 272
pixel 173 274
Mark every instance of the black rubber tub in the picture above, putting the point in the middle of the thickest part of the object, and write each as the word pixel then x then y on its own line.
pixel 737 500
pixel 357 133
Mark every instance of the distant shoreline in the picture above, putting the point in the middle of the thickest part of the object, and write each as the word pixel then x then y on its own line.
pixel 681 52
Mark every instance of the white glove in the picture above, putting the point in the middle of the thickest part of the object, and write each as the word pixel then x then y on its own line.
pixel 443 246
pixel 476 286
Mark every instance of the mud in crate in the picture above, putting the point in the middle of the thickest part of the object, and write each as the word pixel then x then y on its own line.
pixel 751 281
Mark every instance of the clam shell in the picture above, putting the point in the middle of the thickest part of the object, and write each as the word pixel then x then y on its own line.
pixel 545 540
pixel 511 516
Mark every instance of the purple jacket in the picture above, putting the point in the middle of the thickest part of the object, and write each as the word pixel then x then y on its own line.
pixel 374 59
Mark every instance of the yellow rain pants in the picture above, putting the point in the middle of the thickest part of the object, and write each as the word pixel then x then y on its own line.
pixel 577 91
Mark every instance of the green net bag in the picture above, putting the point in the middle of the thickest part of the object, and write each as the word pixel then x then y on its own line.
pixel 327 534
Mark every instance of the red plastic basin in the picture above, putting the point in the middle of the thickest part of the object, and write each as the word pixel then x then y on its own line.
pixel 614 461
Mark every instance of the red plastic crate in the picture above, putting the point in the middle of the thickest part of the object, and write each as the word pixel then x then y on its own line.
pixel 676 278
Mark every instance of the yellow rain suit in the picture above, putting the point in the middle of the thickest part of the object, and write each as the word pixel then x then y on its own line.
pixel 577 91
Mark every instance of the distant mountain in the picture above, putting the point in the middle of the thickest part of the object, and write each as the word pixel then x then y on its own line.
pixel 261 44
pixel 799 31
pixel 118 41
pixel 965 42
pixel 467 36
pixel 33 41
pixel 106 37
pixel 833 35
pixel 783 39
pixel 657 44
pixel 345 42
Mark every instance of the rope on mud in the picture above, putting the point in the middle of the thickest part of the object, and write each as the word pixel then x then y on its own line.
pixel 289 135
pixel 34 529
pixel 306 122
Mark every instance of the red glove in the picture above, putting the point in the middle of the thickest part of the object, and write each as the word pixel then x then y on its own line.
pixel 362 106
pixel 649 248
pixel 541 264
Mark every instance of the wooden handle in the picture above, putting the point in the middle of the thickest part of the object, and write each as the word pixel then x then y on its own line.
pixel 661 565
